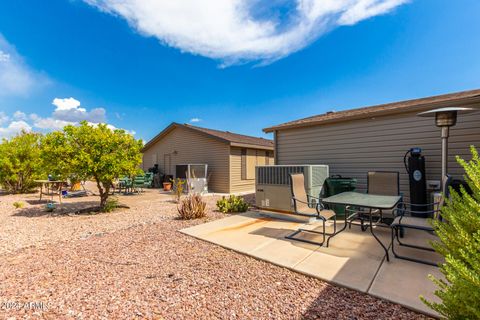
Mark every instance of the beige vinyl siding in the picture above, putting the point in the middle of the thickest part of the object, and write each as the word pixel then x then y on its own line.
pixel 352 148
pixel 191 147
pixel 237 182
pixel 251 162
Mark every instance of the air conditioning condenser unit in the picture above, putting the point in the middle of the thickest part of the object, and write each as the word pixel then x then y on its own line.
pixel 272 184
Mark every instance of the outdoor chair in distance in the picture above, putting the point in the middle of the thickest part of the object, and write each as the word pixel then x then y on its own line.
pixel 139 183
pixel 148 180
pixel 304 205
pixel 124 184
pixel 405 220
pixel 385 183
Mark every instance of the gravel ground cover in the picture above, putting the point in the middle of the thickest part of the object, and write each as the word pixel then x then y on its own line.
pixel 32 226
pixel 134 264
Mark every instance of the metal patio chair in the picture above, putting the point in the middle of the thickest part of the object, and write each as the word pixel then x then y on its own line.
pixel 148 180
pixel 404 221
pixel 385 183
pixel 138 183
pixel 308 206
pixel 125 184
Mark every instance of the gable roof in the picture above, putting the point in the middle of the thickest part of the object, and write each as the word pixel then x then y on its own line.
pixel 234 139
pixel 463 98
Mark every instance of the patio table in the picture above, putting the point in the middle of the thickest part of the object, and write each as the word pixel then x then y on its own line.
pixel 51 188
pixel 363 200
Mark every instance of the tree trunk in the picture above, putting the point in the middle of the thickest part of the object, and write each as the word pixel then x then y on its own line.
pixel 103 194
pixel 103 200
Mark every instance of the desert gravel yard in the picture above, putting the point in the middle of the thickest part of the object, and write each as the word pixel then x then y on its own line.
pixel 133 263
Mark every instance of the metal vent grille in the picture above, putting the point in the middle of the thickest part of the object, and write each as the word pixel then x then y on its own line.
pixel 277 175
pixel 318 176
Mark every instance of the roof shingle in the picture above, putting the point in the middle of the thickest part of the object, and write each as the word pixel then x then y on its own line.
pixel 458 99
pixel 226 136
pixel 234 137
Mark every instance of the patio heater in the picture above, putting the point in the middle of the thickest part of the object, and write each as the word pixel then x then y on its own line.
pixel 445 118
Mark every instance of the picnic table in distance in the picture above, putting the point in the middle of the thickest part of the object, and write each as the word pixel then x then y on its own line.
pixel 51 187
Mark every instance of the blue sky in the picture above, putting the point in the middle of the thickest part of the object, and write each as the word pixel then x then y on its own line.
pixel 240 65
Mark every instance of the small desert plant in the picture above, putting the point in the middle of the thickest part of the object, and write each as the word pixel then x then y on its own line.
pixel 110 205
pixel 18 204
pixel 50 207
pixel 192 207
pixel 232 204
pixel 459 235
pixel 178 187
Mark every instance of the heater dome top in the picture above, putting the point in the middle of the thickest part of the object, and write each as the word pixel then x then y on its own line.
pixel 432 113
pixel 445 117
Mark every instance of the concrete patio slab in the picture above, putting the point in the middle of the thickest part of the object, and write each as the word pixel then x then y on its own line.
pixel 398 277
pixel 354 259
pixel 241 232
pixel 242 237
pixel 285 253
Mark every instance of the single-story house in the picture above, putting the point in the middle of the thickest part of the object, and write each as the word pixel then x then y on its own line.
pixel 231 157
pixel 353 142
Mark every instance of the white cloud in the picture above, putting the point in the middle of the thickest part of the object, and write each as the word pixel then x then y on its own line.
pixel 69 109
pixel 14 128
pixel 50 123
pixel 4 57
pixel 195 120
pixel 19 115
pixel 242 30
pixel 68 112
pixel 16 78
pixel 66 103
pixel 3 117
pixel 112 127
pixel 363 9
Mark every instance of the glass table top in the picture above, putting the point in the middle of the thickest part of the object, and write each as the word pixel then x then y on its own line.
pixel 365 200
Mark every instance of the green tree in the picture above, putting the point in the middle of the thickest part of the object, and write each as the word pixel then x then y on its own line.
pixel 460 245
pixel 92 151
pixel 20 162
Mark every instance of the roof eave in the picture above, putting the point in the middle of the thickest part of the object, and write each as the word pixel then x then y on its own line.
pixel 174 125
pixel 251 146
pixel 421 106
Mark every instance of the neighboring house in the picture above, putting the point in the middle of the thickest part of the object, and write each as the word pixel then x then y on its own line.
pixel 356 141
pixel 231 157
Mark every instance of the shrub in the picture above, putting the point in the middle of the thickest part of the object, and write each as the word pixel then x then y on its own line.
pixel 460 245
pixel 50 207
pixel 18 204
pixel 232 204
pixel 192 207
pixel 178 187
pixel 20 162
pixel 110 205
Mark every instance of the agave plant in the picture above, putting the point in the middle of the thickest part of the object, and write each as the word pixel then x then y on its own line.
pixel 192 207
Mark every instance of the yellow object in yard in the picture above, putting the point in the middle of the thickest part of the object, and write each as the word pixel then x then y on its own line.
pixel 76 186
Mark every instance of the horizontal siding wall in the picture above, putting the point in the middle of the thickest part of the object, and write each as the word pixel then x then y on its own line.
pixel 191 147
pixel 237 184
pixel 355 147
